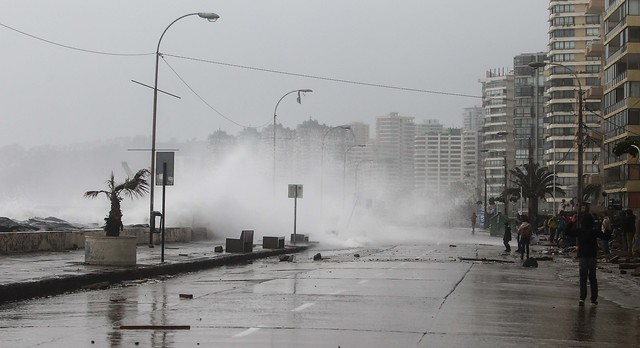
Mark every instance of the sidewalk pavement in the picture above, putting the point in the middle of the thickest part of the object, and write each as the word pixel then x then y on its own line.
pixel 32 275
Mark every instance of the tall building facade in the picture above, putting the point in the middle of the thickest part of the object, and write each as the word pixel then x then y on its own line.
pixel 571 74
pixel 497 129
pixel 444 161
pixel 472 118
pixel 621 103
pixel 395 151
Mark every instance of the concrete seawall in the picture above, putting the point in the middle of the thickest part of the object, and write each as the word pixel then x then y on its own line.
pixel 37 241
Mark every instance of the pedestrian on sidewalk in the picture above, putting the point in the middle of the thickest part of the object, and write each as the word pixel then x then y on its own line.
pixel 506 238
pixel 588 235
pixel 525 232
pixel 474 217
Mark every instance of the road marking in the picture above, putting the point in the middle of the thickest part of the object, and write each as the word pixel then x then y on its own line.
pixel 363 281
pixel 247 332
pixel 337 292
pixel 303 307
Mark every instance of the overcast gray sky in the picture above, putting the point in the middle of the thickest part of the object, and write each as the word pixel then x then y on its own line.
pixel 55 95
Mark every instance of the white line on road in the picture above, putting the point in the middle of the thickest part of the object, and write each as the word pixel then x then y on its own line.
pixel 363 281
pixel 303 307
pixel 337 292
pixel 247 332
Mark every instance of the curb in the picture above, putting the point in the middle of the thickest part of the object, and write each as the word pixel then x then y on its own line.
pixel 63 284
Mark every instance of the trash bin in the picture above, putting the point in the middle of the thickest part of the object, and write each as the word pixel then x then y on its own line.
pixel 496 227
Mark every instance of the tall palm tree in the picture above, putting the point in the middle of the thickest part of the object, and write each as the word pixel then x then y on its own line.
pixel 536 183
pixel 135 187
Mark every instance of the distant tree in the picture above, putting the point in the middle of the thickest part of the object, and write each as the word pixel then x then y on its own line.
pixel 135 187
pixel 535 182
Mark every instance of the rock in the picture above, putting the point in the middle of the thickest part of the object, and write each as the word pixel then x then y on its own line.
pixel 317 257
pixel 218 249
pixel 356 255
pixel 186 296
pixel 8 225
pixel 530 262
pixel 286 258
pixel 452 246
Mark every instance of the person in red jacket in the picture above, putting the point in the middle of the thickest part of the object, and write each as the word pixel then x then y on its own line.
pixel 588 235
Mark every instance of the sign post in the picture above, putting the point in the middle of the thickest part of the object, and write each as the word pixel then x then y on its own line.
pixel 295 192
pixel 165 162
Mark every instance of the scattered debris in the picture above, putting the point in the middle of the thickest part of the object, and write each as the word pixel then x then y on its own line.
pixel 186 296
pixel 218 249
pixel 530 262
pixel 356 255
pixel 97 286
pixel 452 246
pixel 614 259
pixel 183 254
pixel 544 258
pixel 317 257
pixel 636 272
pixel 155 327
pixel 286 258
pixel 484 259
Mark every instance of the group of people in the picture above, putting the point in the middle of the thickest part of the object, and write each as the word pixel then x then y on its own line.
pixel 622 228
pixel 523 237
pixel 591 234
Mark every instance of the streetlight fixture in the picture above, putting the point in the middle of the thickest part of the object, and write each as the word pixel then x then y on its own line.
pixel 275 110
pixel 344 169
pixel 324 136
pixel 211 17
pixel 580 128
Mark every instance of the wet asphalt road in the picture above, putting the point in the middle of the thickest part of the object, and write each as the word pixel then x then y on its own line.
pixel 418 295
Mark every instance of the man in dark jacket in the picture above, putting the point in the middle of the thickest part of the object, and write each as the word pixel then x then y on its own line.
pixel 588 235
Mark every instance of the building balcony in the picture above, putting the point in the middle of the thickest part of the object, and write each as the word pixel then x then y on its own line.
pixel 594 92
pixel 595 7
pixel 595 48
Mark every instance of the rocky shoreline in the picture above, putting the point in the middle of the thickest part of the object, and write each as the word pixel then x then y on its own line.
pixel 41 224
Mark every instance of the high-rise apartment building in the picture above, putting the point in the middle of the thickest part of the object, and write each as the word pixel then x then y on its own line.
pixel 445 162
pixel 528 119
pixel 395 149
pixel 572 74
pixel 621 102
pixel 472 118
pixel 497 129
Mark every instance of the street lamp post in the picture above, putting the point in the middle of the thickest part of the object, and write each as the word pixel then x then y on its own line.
pixel 211 17
pixel 324 136
pixel 580 128
pixel 275 110
pixel 344 169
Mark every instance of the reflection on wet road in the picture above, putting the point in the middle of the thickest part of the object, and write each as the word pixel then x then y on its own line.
pixel 402 296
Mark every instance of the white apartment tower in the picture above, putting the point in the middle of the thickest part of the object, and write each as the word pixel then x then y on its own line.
pixel 395 149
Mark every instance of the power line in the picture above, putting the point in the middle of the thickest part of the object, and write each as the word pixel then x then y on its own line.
pixel 324 78
pixel 76 48
pixel 199 97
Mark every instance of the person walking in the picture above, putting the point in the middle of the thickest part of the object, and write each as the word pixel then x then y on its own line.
pixel 506 238
pixel 629 228
pixel 474 217
pixel 553 224
pixel 525 232
pixel 588 236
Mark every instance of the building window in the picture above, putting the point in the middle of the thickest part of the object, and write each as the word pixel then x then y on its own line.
pixel 592 31
pixel 592 19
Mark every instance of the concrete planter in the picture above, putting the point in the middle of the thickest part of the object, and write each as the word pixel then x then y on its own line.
pixel 110 251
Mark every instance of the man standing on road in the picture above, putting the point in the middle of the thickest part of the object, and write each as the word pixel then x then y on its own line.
pixel 629 228
pixel 474 217
pixel 588 235
pixel 506 238
pixel 605 228
pixel 525 232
